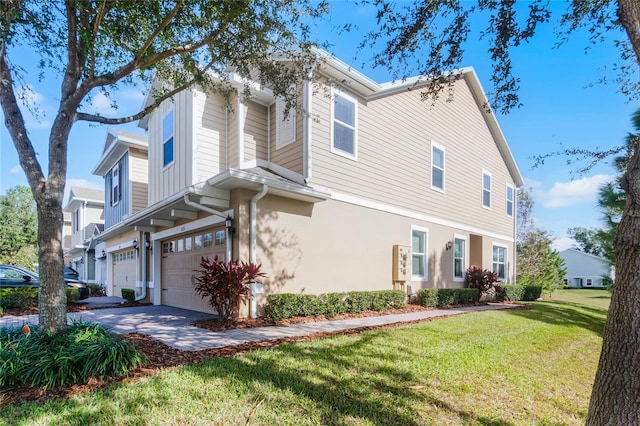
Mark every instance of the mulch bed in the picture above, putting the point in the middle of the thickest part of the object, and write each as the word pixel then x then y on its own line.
pixel 161 356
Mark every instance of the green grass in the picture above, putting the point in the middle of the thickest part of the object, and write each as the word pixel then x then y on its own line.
pixel 489 368
pixel 595 298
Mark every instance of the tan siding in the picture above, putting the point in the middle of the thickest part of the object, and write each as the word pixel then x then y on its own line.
pixel 210 145
pixel 394 157
pixel 255 132
pixel 139 175
pixel 289 156
pixel 93 214
pixel 232 146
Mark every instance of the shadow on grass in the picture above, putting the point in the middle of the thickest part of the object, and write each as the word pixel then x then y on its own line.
pixel 350 381
pixel 565 313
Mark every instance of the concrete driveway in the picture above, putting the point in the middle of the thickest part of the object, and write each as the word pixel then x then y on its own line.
pixel 173 326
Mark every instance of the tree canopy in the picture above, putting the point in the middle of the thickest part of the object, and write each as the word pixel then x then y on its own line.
pixel 18 227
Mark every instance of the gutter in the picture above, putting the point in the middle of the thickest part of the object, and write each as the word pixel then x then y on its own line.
pixel 253 246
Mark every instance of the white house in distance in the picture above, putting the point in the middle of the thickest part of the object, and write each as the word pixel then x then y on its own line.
pixel 584 270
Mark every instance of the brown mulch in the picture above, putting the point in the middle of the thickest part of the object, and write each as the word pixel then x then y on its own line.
pixel 161 356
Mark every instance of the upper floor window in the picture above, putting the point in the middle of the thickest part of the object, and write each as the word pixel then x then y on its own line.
pixel 486 189
pixel 510 199
pixel 116 185
pixel 167 139
pixel 459 258
pixel 344 132
pixel 285 126
pixel 499 262
pixel 419 254
pixel 437 167
pixel 76 220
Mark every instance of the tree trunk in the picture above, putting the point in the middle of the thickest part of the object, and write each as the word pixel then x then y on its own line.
pixel 52 297
pixel 615 399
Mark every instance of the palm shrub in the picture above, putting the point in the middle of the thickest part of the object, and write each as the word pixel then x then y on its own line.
pixel 225 284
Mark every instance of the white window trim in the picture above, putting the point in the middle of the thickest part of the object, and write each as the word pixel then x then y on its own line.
pixel 484 172
pixel 337 151
pixel 291 121
pixel 115 201
pixel 465 264
pixel 163 140
pixel 426 253
pixel 506 260
pixel 513 201
pixel 444 166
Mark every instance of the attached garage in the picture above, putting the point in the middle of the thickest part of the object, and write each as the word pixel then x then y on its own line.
pixel 124 270
pixel 181 257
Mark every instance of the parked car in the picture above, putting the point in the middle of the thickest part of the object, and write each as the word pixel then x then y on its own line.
pixel 14 276
pixel 70 273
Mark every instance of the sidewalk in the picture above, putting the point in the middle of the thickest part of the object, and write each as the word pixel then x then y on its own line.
pixel 172 326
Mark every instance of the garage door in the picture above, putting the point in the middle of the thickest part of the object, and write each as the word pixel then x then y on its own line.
pixel 180 259
pixel 124 271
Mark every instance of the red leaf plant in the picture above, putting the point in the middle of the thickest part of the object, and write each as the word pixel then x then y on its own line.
pixel 225 284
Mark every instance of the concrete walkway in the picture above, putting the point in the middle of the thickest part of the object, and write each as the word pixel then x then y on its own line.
pixel 172 326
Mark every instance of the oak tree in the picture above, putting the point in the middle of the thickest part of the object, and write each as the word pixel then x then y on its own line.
pixel 101 46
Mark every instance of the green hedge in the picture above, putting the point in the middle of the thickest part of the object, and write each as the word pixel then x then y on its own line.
pixel 128 294
pixel 287 305
pixel 527 293
pixel 27 297
pixel 437 297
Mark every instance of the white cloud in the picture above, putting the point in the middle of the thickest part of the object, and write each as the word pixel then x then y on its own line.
pixel 101 104
pixel 16 169
pixel 34 108
pixel 532 183
pixel 564 194
pixel 562 243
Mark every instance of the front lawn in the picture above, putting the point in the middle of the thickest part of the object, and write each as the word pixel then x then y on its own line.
pixel 507 367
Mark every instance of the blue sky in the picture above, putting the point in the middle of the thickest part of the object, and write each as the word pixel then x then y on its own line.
pixel 562 104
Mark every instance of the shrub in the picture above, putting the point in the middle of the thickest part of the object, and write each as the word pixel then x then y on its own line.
pixel 20 298
pixel 287 305
pixel 512 292
pixel 96 290
pixel 225 283
pixel 73 355
pixel 482 279
pixel 73 295
pixel 532 292
pixel 129 295
pixel 438 297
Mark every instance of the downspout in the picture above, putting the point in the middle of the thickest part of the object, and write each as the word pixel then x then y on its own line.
pixel 269 134
pixel 229 246
pixel 253 246
pixel 143 247
pixel 241 118
pixel 306 131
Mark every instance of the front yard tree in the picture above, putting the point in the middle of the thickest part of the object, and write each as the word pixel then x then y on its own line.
pixel 100 46
pixel 18 227
pixel 434 33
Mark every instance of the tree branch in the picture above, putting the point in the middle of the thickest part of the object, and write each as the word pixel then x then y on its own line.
pixel 96 28
pixel 165 22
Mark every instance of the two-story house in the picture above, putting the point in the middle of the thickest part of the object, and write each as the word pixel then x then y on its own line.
pixel 85 208
pixel 321 197
pixel 121 256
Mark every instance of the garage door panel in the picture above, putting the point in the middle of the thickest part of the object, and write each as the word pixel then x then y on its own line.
pixel 124 271
pixel 180 261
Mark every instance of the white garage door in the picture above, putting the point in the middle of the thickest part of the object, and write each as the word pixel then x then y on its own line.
pixel 181 257
pixel 124 271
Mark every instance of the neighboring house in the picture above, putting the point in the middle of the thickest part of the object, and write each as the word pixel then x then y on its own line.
pixel 585 270
pixel 321 198
pixel 66 235
pixel 123 165
pixel 85 207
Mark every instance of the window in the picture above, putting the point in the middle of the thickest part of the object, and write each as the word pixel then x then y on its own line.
pixel 208 239
pixel 589 282
pixel 486 190
pixel 167 139
pixel 419 254
pixel 510 199
pixel 116 185
pixel 76 220
pixel 459 258
pixel 437 167
pixel 344 135
pixel 180 245
pixel 285 127
pixel 220 238
pixel 499 265
pixel 187 243
pixel 198 242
